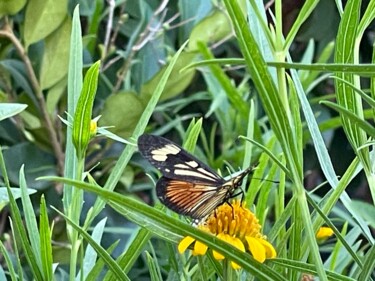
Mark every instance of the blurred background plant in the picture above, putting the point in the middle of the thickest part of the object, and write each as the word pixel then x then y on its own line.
pixel 216 89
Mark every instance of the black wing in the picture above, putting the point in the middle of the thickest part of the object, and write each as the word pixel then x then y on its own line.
pixel 175 163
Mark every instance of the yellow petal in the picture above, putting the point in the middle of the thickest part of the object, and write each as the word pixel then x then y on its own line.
pixel 239 245
pixel 221 236
pixel 199 248
pixel 185 243
pixel 324 232
pixel 270 250
pixel 256 248
pixel 217 256
pixel 234 265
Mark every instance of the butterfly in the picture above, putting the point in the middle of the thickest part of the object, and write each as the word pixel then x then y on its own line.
pixel 188 186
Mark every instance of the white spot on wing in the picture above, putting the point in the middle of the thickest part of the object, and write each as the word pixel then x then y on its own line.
pixel 181 166
pixel 192 164
pixel 192 174
pixel 203 171
pixel 161 154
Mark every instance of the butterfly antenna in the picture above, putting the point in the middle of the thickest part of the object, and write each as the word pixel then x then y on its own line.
pixel 277 182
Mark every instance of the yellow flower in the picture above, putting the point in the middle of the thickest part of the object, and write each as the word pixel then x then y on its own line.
pixel 94 126
pixel 323 233
pixel 237 226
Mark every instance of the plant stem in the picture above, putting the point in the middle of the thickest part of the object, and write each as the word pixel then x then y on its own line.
pixel 56 146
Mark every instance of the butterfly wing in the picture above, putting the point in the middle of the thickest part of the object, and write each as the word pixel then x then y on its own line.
pixel 188 186
pixel 190 199
pixel 175 163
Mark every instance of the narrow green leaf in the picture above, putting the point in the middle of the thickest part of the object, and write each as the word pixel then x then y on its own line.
pixel 364 96
pixel 308 268
pixel 8 263
pixel 359 69
pixel 335 230
pixel 230 90
pixel 369 265
pixel 192 133
pixel 45 241
pixel 30 219
pixel 346 53
pixel 152 267
pixel 90 255
pixel 136 246
pixel 112 265
pixel 4 199
pixel 10 109
pixel 17 252
pixel 135 249
pixel 82 116
pixel 74 89
pixel 19 227
pixel 96 271
pixel 304 13
pixel 367 127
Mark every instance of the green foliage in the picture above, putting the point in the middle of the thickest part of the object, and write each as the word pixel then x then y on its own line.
pixel 285 94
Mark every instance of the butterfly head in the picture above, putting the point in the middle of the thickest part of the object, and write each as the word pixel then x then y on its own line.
pixel 237 181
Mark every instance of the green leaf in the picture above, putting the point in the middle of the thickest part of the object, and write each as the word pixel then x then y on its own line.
pixel 308 268
pixel 10 109
pixel 30 219
pixel 42 17
pixel 209 30
pixel 45 241
pixel 360 69
pixel 367 127
pixel 4 199
pixel 75 81
pixel 369 265
pixel 56 56
pixel 8 262
pixel 38 163
pixel 230 90
pixel 176 82
pixel 99 265
pixel 82 117
pixel 11 7
pixel 366 211
pixel 152 267
pixel 89 259
pixel 122 111
pixel 192 134
pixel 20 229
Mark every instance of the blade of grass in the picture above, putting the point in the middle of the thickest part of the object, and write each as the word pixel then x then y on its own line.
pixel 30 218
pixel 75 80
pixel 369 265
pixel 19 227
pixel 45 241
pixel 95 272
pixel 308 268
pixel 89 259
pixel 9 264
